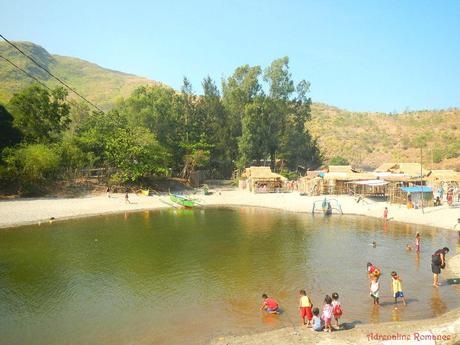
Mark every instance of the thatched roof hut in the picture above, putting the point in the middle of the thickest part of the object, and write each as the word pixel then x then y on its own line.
pixel 262 179
pixel 408 169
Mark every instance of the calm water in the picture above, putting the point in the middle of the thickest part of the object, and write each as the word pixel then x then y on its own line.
pixel 183 277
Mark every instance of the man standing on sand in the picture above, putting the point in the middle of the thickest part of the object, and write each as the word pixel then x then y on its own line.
pixel 438 262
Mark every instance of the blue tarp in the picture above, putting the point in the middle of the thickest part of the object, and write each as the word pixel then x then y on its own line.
pixel 417 189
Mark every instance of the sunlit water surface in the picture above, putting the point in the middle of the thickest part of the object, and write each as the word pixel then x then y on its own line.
pixel 186 276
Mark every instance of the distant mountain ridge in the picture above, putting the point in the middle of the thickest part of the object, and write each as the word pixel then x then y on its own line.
pixel 364 139
pixel 100 85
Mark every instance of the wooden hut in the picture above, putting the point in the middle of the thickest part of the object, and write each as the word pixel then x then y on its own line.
pixel 262 180
pixel 443 178
pixel 413 196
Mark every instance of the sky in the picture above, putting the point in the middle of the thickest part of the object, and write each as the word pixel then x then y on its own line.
pixel 386 56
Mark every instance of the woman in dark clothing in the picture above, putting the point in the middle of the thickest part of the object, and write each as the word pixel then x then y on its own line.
pixel 438 262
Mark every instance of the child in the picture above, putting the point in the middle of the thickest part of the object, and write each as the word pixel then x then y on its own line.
pixel 385 213
pixel 327 313
pixel 372 271
pixel 417 242
pixel 269 305
pixel 336 308
pixel 305 308
pixel 316 321
pixel 397 288
pixel 127 198
pixel 374 286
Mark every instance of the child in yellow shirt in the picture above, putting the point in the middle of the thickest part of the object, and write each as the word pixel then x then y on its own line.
pixel 397 287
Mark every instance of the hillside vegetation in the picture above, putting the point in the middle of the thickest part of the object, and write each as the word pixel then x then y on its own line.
pixel 363 139
pixel 369 139
pixel 100 85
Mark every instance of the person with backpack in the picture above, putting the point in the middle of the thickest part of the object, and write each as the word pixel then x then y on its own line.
pixel 336 308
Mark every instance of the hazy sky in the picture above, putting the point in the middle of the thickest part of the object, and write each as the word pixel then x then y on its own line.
pixel 358 55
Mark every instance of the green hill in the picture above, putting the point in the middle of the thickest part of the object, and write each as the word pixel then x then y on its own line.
pixel 100 85
pixel 364 139
pixel 369 139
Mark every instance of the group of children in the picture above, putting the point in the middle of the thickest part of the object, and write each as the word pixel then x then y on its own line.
pixel 374 285
pixel 310 315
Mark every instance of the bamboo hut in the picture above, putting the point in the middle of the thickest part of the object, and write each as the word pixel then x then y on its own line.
pixel 413 196
pixel 443 178
pixel 262 180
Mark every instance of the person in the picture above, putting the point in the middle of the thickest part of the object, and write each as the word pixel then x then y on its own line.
pixel 305 308
pixel 127 198
pixel 417 242
pixel 408 247
pixel 372 271
pixel 336 308
pixel 317 324
pixel 450 198
pixel 327 313
pixel 374 286
pixel 385 213
pixel 108 192
pixel 397 287
pixel 329 209
pixel 269 305
pixel 437 202
pixel 438 262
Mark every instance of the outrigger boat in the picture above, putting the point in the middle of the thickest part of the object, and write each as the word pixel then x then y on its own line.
pixel 183 200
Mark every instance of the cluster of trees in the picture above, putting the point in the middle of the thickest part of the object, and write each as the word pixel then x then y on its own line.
pixel 259 116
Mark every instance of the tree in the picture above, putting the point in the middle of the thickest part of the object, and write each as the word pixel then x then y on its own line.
pixel 337 160
pixel 39 114
pixel 9 135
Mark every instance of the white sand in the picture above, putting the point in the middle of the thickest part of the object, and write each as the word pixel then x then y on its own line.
pixel 28 211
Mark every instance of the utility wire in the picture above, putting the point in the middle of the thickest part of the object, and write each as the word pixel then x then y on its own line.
pixel 30 75
pixel 51 74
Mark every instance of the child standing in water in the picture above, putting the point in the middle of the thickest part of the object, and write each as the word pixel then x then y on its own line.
pixel 327 313
pixel 397 287
pixel 374 286
pixel 336 308
pixel 305 308
pixel 417 242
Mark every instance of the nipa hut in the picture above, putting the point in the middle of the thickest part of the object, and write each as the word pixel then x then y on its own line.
pixel 445 179
pixel 261 180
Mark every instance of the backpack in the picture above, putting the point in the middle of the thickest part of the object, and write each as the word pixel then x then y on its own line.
pixel 337 311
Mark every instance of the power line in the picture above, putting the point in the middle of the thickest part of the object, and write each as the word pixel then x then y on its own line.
pixel 51 74
pixel 30 75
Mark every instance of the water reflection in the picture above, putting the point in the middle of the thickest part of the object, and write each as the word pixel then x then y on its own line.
pixel 438 306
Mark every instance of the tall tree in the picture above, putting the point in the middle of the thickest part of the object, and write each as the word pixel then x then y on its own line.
pixel 39 114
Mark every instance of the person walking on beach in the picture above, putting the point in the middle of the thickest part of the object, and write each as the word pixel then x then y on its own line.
pixel 397 287
pixel 417 242
pixel 269 305
pixel 127 198
pixel 305 306
pixel 438 262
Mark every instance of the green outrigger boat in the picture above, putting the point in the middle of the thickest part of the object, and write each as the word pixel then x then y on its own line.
pixel 183 200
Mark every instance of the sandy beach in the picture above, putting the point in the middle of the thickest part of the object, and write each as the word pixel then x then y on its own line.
pixel 19 212
pixel 32 211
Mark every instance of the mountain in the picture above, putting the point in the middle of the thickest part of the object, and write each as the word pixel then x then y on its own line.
pixel 369 139
pixel 364 139
pixel 100 85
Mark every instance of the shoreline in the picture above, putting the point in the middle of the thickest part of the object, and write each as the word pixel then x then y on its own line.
pixel 21 212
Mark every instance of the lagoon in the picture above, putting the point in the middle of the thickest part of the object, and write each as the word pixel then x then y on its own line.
pixel 186 276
